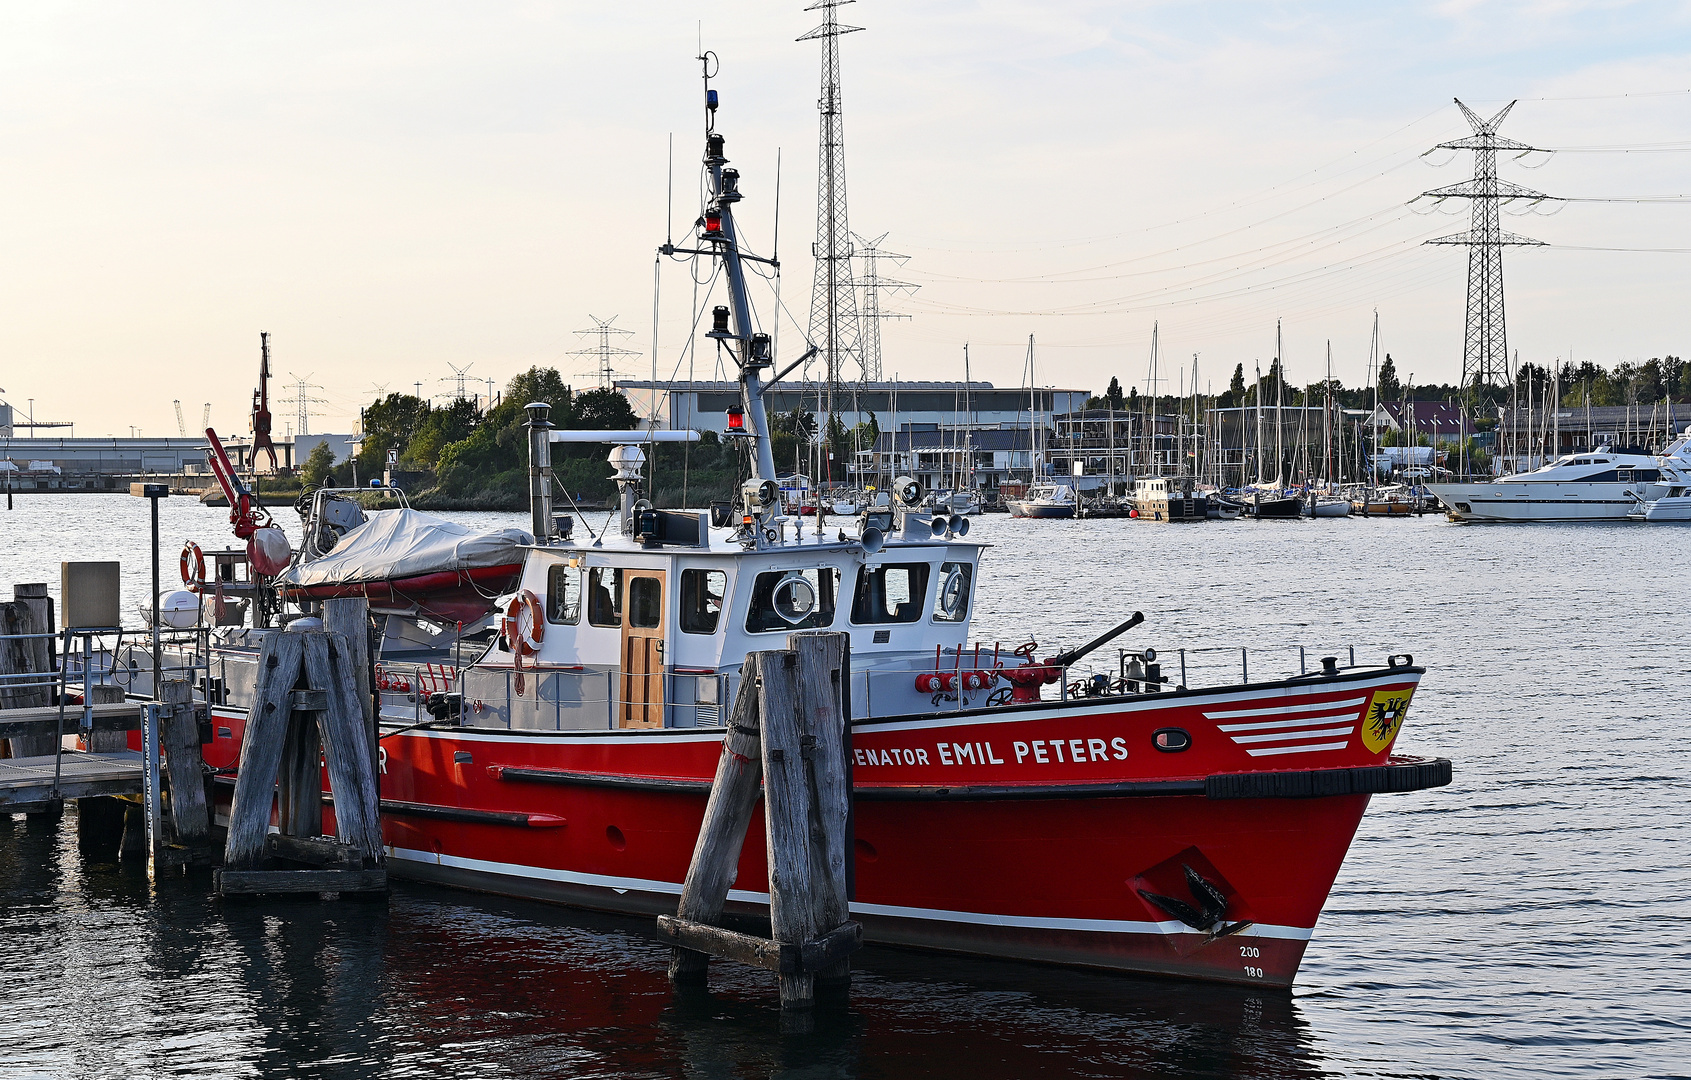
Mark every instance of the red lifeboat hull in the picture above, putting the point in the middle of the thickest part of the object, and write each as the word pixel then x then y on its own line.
pixel 449 596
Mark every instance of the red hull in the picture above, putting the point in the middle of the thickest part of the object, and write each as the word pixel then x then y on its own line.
pixel 969 843
pixel 451 596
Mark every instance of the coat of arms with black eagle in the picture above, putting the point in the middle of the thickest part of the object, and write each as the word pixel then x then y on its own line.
pixel 1384 716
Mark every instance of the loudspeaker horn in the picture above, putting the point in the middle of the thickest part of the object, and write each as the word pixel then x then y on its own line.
pixel 873 540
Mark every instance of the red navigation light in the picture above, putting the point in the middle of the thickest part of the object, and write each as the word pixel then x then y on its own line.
pixel 736 419
pixel 713 223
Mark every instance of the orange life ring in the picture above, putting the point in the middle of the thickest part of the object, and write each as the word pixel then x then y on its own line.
pixel 526 634
pixel 196 578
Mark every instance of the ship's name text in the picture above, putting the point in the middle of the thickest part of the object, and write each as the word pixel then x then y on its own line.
pixel 1037 751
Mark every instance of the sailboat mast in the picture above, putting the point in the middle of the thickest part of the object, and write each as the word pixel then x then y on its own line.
pixel 1278 370
pixel 1259 422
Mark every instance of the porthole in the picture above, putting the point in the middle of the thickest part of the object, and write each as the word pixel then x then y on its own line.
pixel 1171 740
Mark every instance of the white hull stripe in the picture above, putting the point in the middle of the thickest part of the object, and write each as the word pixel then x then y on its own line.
pixel 1282 736
pixel 1303 721
pixel 1265 751
pixel 1281 710
pixel 670 888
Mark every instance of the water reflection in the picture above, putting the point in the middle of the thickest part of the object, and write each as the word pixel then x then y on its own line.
pixel 437 983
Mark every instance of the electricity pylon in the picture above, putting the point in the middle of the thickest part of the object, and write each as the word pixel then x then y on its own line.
pixel 834 326
pixel 871 252
pixel 303 401
pixel 459 376
pixel 1485 350
pixel 604 353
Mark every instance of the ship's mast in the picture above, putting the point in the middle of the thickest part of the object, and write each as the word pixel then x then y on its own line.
pixel 752 351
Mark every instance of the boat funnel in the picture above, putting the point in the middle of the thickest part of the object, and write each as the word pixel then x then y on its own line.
pixel 540 470
pixel 873 540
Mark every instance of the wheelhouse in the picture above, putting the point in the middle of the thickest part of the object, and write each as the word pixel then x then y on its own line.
pixel 634 638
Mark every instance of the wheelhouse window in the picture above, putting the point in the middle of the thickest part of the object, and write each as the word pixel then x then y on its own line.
pixel 563 595
pixel 793 600
pixel 604 596
pixel 951 599
pixel 891 593
pixel 702 592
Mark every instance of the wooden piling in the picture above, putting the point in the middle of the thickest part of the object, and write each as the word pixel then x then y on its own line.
pixel 821 674
pixel 349 617
pixel 733 796
pixel 179 739
pixel 104 740
pixel 791 703
pixel 346 749
pixel 787 816
pixel 280 659
pixel 307 696
pixel 21 655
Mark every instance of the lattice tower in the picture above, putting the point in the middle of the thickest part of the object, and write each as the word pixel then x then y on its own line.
pixel 303 401
pixel 1485 349
pixel 460 377
pixel 604 354
pixel 873 285
pixel 834 326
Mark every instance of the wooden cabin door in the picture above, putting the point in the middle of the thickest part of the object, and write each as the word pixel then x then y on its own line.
pixel 642 649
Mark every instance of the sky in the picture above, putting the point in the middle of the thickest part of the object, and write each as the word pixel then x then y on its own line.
pixel 395 190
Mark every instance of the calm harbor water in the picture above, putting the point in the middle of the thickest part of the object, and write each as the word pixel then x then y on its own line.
pixel 1530 920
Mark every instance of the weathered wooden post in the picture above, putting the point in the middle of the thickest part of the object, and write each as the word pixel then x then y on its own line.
pixel 350 617
pixel 791 703
pixel 307 695
pixel 821 674
pixel 25 670
pixel 24 662
pixel 189 835
pixel 733 796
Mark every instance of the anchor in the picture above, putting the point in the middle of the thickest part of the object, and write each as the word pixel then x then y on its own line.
pixel 1209 917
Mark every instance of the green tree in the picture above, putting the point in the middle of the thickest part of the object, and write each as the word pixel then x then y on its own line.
pixel 438 429
pixel 389 423
pixel 1236 388
pixel 603 410
pixel 1390 388
pixel 318 465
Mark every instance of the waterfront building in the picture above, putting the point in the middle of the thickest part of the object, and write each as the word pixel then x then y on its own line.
pixel 703 406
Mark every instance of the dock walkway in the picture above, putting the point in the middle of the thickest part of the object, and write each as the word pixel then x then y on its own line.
pixel 82 775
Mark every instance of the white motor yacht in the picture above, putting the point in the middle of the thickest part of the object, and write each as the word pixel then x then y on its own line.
pixel 1597 485
pixel 1045 501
